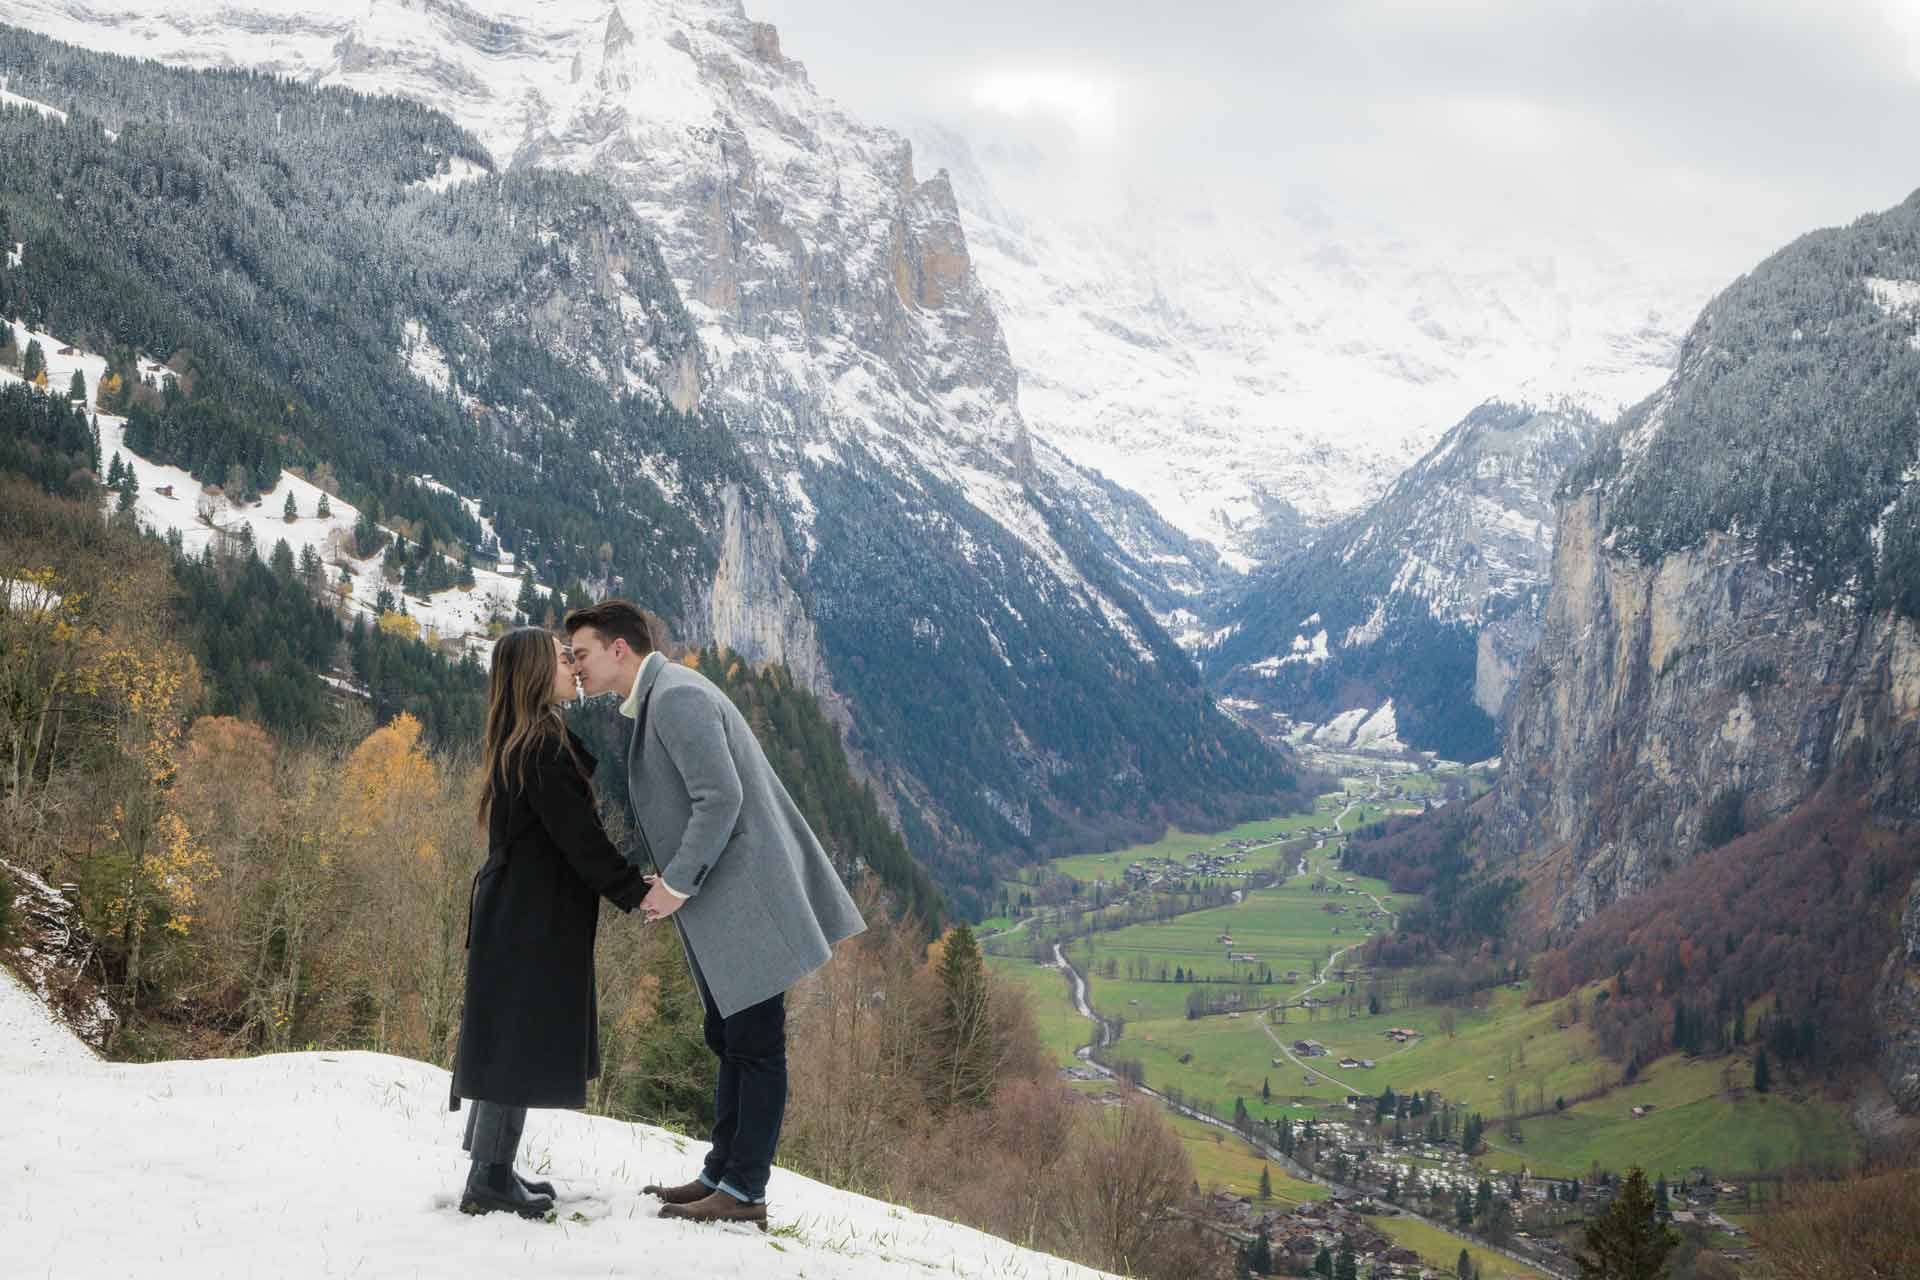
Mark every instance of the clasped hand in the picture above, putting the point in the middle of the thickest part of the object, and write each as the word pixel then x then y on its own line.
pixel 660 902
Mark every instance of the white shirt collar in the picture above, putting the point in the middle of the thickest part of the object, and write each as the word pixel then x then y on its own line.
pixel 631 707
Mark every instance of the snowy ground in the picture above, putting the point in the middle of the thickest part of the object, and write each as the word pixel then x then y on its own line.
pixel 349 1164
pixel 171 499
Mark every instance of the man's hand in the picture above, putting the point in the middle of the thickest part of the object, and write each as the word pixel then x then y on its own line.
pixel 660 901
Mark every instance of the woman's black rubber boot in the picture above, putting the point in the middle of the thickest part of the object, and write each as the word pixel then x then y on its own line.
pixel 494 1186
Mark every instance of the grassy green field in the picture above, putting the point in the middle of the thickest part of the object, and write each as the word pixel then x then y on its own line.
pixel 1061 1028
pixel 1694 1122
pixel 1477 1056
pixel 1224 1162
pixel 1287 928
pixel 1180 845
pixel 1442 1251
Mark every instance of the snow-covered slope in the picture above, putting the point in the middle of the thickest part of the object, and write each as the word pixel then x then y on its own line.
pixel 170 500
pixel 1248 367
pixel 833 292
pixel 909 547
pixel 344 1164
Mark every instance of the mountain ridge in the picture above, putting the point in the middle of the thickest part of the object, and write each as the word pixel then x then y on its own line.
pixel 1429 597
pixel 857 372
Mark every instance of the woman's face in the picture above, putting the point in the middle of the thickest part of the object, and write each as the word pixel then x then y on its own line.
pixel 563 676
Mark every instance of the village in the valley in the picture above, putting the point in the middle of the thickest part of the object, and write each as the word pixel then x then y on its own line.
pixel 1403 1180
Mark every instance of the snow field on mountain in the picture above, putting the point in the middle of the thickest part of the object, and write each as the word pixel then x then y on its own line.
pixel 1213 355
pixel 454 615
pixel 349 1164
pixel 15 100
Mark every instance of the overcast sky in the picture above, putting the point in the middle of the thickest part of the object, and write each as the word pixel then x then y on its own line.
pixel 1710 127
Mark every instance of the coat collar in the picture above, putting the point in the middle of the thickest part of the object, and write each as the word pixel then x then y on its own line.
pixel 643 683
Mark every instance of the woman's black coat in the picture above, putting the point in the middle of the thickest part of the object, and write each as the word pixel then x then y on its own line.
pixel 530 1031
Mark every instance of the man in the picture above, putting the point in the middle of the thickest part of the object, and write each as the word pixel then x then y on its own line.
pixel 757 902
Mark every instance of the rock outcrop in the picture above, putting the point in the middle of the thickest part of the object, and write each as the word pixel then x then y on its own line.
pixel 1731 622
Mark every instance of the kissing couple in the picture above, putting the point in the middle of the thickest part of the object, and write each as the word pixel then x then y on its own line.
pixel 731 862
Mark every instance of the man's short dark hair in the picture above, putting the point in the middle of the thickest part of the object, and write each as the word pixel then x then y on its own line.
pixel 615 620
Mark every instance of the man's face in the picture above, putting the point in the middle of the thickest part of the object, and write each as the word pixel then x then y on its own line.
pixel 597 662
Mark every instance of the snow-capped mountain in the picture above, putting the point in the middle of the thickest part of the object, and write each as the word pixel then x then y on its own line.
pixel 1428 600
pixel 907 544
pixel 1258 370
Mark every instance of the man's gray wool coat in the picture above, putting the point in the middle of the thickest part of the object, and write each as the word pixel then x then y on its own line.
pixel 764 904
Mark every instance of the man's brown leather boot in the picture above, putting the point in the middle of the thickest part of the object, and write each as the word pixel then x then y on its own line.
pixel 685 1193
pixel 718 1207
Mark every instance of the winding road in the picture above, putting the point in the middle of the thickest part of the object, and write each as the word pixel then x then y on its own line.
pixel 1103 1036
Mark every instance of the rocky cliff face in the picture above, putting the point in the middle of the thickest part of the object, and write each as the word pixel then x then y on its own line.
pixel 909 540
pixel 1731 618
pixel 1657 689
pixel 1897 1010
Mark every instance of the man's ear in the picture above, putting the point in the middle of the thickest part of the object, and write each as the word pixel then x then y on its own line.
pixel 619 649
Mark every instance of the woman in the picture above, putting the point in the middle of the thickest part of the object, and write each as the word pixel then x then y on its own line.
pixel 529 1034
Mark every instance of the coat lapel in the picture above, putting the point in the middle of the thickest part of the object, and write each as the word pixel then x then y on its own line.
pixel 649 676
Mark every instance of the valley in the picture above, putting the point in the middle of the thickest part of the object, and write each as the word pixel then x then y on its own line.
pixel 1260 1015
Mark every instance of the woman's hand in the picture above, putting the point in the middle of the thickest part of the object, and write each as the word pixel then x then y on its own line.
pixel 660 901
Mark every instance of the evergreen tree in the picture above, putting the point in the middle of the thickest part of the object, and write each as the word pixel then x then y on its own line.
pixel 966 1052
pixel 1463 1269
pixel 1346 1266
pixel 309 565
pixel 1660 1197
pixel 1628 1242
pixel 1482 1198
pixel 1242 1119
pixel 1260 1256
pixel 1762 1072
pixel 368 536
pixel 35 367
pixel 282 560
pixel 325 509
pixel 1266 1089
pixel 114 471
pixel 77 386
pixel 1323 1263
pixel 291 511
pixel 1266 1184
pixel 93 442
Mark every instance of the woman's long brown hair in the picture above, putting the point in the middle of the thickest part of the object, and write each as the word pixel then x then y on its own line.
pixel 519 710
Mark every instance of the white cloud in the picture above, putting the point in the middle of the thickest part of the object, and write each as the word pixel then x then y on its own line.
pixel 1090 104
pixel 1712 131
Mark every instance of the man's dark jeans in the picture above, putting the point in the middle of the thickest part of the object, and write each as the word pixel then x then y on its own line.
pixel 750 1097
